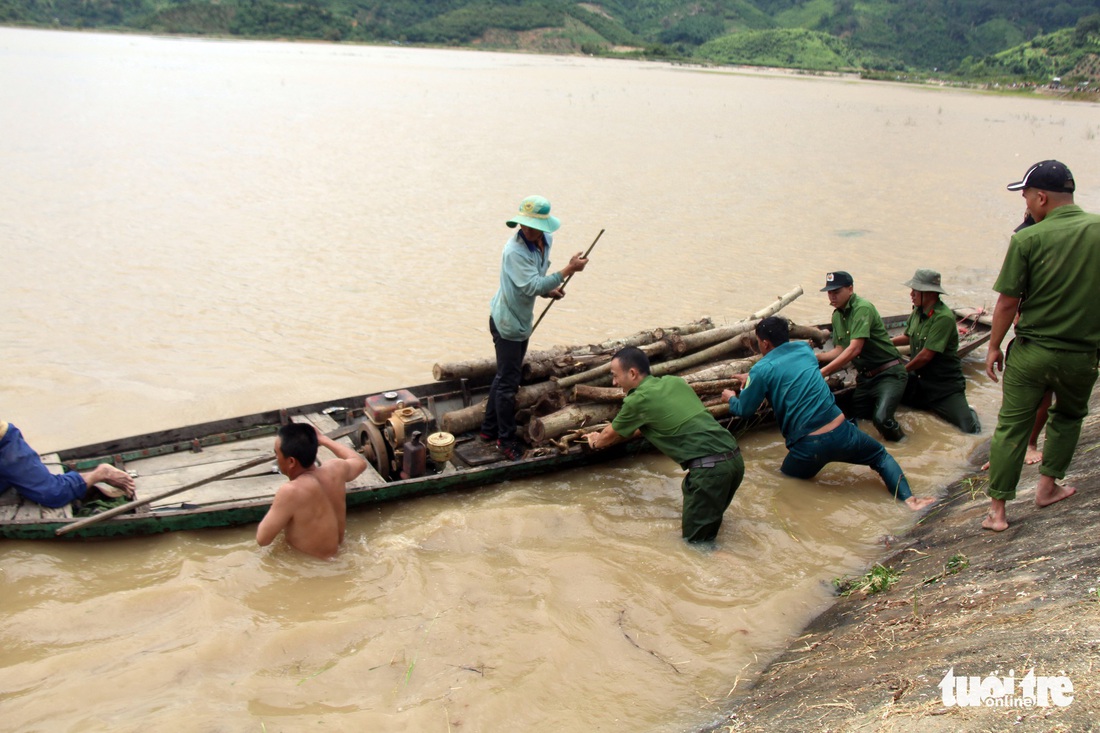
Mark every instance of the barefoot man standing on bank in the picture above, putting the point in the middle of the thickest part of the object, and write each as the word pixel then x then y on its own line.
pixel 1051 273
pixel 312 506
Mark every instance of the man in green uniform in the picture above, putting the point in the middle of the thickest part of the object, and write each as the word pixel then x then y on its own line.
pixel 936 381
pixel 1051 274
pixel 667 412
pixel 861 340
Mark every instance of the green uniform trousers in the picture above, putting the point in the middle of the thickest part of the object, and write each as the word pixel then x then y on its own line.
pixel 953 408
pixel 707 494
pixel 1032 371
pixel 878 398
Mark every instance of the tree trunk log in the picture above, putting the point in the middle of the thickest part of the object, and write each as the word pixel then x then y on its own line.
pixel 588 393
pixel 481 371
pixel 470 418
pixel 556 424
pixel 723 370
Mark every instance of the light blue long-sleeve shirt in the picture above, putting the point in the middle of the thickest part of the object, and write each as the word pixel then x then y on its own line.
pixel 790 378
pixel 522 279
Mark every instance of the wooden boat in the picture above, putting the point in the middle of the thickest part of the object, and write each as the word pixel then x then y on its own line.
pixel 163 462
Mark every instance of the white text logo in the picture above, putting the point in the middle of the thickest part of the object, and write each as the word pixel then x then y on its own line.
pixel 1008 692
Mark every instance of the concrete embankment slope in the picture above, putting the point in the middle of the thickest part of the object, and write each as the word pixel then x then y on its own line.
pixel 967 600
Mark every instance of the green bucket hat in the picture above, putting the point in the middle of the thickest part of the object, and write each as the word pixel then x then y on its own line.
pixel 534 212
pixel 925 281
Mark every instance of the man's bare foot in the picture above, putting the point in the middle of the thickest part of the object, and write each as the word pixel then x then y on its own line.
pixel 916 503
pixel 1049 492
pixel 108 474
pixel 995 520
pixel 1033 455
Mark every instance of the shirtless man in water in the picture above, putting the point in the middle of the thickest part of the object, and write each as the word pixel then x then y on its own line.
pixel 311 506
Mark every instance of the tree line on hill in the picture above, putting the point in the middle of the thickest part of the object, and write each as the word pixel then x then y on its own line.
pixel 1026 38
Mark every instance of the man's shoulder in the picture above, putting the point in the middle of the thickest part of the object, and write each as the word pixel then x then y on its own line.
pixel 859 303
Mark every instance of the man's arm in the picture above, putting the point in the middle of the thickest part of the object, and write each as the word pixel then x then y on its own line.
pixel 922 358
pixel 854 349
pixel 900 340
pixel 277 517
pixel 752 394
pixel 606 438
pixel 352 464
pixel 1003 314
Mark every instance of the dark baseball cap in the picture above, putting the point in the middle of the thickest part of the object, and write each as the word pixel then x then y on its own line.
pixel 837 280
pixel 1048 175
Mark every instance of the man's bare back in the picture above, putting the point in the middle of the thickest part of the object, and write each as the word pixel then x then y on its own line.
pixel 311 506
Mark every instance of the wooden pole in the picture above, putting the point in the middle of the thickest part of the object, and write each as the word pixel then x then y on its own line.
pixel 565 283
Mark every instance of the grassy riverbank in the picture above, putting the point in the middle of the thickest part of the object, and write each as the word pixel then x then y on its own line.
pixel 966 599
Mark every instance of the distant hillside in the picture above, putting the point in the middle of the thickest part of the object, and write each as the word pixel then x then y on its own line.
pixel 786 47
pixel 1024 38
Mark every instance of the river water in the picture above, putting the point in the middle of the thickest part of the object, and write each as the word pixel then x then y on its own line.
pixel 196 229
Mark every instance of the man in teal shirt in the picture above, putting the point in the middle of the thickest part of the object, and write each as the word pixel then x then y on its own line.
pixel 813 427
pixel 1051 274
pixel 523 267
pixel 861 340
pixel 667 412
pixel 936 381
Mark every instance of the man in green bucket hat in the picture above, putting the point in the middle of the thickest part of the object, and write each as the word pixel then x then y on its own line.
pixel 523 277
pixel 936 382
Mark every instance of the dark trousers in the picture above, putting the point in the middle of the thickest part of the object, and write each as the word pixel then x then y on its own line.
pixel 845 444
pixel 878 398
pixel 500 407
pixel 707 494
pixel 953 407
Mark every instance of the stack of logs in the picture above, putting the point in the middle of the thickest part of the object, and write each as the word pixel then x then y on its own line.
pixel 567 388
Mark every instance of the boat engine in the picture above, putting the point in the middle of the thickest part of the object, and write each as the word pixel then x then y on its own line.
pixel 392 418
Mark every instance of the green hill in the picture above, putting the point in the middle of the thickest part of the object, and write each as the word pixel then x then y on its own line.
pixel 976 38
pixel 787 47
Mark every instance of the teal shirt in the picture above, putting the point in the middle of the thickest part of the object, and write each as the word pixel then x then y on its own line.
pixel 522 279
pixel 1054 266
pixel 938 332
pixel 673 418
pixel 860 320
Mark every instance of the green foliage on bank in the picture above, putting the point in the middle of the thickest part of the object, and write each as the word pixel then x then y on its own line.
pixel 1071 54
pixel 977 39
pixel 787 47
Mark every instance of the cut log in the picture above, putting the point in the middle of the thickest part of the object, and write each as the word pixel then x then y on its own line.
pixel 722 370
pixel 573 417
pixel 588 393
pixel 470 418
pixel 481 371
pixel 717 351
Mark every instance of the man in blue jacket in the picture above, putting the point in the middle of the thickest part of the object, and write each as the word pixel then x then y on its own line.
pixel 523 267
pixel 814 428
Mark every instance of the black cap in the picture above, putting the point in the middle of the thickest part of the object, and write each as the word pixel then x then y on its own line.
pixel 837 280
pixel 1048 175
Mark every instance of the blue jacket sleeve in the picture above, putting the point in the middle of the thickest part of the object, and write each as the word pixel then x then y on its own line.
pixel 21 468
pixel 752 396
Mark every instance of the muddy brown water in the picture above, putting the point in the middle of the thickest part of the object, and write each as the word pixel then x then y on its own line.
pixel 195 229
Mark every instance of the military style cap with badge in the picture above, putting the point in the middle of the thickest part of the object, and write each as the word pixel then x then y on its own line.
pixel 837 280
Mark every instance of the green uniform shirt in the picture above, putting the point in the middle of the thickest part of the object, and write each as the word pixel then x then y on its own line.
pixel 860 320
pixel 1054 266
pixel 672 417
pixel 936 332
